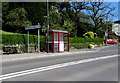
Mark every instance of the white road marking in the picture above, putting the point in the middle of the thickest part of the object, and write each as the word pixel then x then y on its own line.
pixel 21 73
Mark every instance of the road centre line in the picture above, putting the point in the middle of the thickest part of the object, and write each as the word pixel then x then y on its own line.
pixel 41 69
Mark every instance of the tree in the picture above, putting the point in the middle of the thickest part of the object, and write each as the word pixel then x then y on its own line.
pixel 77 7
pixel 5 8
pixel 36 12
pixel 98 12
pixel 69 26
pixel 54 19
pixel 17 18
pixel 89 34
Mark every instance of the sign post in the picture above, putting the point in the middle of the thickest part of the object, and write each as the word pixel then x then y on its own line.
pixel 34 27
pixel 38 40
pixel 28 40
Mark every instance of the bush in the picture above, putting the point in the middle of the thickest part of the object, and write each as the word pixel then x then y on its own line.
pixel 85 40
pixel 89 34
pixel 79 45
pixel 12 39
pixel 22 41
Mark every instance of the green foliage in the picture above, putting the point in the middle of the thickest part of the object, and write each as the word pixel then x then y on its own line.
pixel 54 18
pixel 21 39
pixel 89 35
pixel 67 16
pixel 84 40
pixel 9 39
pixel 36 12
pixel 17 17
pixel 70 27
pixel 13 39
pixel 79 45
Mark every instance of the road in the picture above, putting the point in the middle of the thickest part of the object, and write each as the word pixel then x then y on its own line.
pixel 86 66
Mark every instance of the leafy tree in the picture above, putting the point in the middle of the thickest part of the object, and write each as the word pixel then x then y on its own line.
pixel 89 35
pixel 69 26
pixel 86 26
pixel 54 19
pixel 72 12
pixel 5 8
pixel 32 12
pixel 17 18
pixel 77 7
pixel 36 12
pixel 98 12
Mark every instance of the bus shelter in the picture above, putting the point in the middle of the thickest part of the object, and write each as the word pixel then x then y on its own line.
pixel 57 41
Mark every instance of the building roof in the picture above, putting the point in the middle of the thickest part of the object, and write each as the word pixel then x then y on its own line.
pixel 59 31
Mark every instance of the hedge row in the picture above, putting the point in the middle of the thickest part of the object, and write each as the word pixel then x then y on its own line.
pixel 21 40
pixel 85 40
pixel 13 39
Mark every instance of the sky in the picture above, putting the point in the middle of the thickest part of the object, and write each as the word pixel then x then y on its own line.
pixel 115 12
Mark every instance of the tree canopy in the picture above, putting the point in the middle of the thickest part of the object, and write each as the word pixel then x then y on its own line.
pixel 75 17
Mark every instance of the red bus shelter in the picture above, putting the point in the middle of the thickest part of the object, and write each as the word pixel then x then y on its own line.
pixel 58 41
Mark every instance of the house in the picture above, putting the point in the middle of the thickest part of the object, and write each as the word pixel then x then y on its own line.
pixel 116 27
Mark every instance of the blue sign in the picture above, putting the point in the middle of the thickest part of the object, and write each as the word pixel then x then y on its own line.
pixel 33 27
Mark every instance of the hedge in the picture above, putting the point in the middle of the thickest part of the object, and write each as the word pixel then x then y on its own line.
pixel 85 40
pixel 21 40
pixel 13 39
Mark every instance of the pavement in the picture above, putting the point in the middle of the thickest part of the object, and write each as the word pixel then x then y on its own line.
pixel 23 56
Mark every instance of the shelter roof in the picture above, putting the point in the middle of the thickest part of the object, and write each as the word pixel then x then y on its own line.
pixel 60 31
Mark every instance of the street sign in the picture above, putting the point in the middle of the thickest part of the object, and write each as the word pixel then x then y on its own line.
pixel 32 27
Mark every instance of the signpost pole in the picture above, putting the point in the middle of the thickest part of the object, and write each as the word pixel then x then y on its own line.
pixel 28 41
pixel 38 40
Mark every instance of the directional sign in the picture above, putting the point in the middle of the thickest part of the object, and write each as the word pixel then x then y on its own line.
pixel 33 27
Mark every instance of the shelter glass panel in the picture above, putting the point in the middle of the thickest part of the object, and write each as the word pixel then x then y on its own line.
pixel 55 36
pixel 56 47
pixel 61 36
